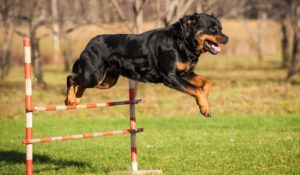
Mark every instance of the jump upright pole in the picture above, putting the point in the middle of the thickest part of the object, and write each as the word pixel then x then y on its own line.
pixel 28 104
pixel 30 108
pixel 132 94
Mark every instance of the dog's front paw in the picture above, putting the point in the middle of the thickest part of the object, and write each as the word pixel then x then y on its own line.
pixel 70 102
pixel 205 111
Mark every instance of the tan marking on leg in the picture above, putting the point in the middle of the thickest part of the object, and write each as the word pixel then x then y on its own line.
pixel 79 93
pixel 71 99
pixel 200 99
pixel 200 82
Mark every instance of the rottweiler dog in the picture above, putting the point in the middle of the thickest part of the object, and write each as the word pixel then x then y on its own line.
pixel 167 55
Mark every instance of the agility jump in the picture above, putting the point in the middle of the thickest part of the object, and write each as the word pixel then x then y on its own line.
pixel 30 108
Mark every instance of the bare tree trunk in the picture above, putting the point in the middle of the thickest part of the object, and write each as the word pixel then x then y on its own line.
pixel 170 10
pixel 55 28
pixel 260 42
pixel 284 44
pixel 6 53
pixel 157 11
pixel 35 19
pixel 138 15
pixel 295 55
pixel 106 11
pixel 120 13
pixel 176 9
pixel 7 40
pixel 113 13
pixel 36 59
pixel 254 38
pixel 118 10
pixel 67 51
pixel 199 8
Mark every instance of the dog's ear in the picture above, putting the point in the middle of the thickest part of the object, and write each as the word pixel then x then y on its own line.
pixel 192 20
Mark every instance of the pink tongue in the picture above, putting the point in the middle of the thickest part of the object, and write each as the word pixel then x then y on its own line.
pixel 216 48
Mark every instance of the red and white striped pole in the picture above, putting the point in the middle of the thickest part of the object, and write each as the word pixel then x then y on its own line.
pixel 132 94
pixel 82 136
pixel 28 104
pixel 84 106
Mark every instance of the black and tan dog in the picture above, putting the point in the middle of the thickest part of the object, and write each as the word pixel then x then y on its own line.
pixel 167 55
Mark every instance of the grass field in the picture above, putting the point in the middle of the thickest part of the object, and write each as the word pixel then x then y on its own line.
pixel 176 145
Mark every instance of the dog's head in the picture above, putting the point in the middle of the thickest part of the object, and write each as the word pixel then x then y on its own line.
pixel 205 31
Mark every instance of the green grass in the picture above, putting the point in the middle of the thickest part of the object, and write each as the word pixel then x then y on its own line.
pixel 176 145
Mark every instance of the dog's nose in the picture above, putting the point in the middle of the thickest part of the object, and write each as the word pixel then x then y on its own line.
pixel 225 39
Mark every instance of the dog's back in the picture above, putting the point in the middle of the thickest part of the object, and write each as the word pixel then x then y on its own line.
pixel 131 55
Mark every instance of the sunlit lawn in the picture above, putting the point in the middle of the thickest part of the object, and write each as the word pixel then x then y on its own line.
pixel 176 145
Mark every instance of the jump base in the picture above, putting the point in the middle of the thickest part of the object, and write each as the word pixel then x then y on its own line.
pixel 148 172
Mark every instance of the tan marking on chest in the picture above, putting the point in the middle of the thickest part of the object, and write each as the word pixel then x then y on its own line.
pixel 181 67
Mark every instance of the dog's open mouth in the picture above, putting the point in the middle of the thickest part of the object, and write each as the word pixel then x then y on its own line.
pixel 212 47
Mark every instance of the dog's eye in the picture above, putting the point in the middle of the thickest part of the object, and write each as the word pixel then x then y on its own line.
pixel 212 29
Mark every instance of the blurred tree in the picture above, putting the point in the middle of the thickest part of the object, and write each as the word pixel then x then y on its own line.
pixel 252 9
pixel 175 9
pixel 294 15
pixel 286 14
pixel 55 28
pixel 157 12
pixel 106 11
pixel 284 43
pixel 70 20
pixel 34 18
pixel 137 7
pixel 8 8
pixel 121 14
pixel 281 17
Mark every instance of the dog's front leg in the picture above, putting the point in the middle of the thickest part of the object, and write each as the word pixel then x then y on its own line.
pixel 175 81
pixel 71 86
pixel 199 82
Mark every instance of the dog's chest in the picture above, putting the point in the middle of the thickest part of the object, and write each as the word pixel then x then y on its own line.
pixel 184 68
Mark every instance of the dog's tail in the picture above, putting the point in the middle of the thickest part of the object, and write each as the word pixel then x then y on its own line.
pixel 76 67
